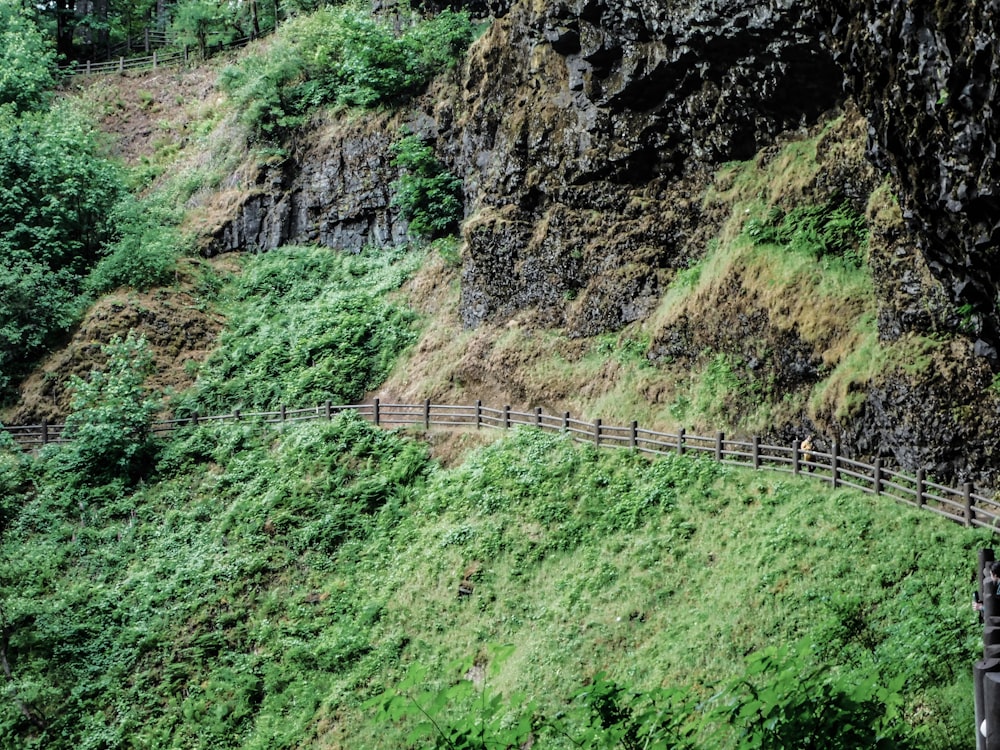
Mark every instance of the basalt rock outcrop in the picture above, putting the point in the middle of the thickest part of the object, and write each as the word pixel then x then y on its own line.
pixel 926 76
pixel 587 131
pixel 585 136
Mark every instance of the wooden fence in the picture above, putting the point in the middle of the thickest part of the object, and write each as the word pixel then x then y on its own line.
pixel 148 62
pixel 960 504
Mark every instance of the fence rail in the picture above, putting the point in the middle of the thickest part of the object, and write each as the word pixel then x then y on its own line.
pixel 960 504
pixel 158 58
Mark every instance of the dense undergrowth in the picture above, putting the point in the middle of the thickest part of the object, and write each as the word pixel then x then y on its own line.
pixel 332 585
pixel 260 587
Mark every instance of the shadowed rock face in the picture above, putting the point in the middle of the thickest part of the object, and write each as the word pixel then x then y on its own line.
pixel 587 126
pixel 926 76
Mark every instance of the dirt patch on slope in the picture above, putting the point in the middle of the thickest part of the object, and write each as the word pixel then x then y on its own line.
pixel 179 327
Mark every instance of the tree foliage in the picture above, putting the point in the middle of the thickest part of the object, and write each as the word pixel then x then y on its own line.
pixel 112 412
pixel 27 59
pixel 56 199
pixel 342 56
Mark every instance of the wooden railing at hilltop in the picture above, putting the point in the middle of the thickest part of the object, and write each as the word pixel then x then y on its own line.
pixel 960 504
pixel 153 61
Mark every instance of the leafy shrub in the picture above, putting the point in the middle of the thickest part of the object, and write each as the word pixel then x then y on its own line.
pixel 27 60
pixel 112 413
pixel 428 196
pixel 307 325
pixel 145 252
pixel 56 199
pixel 341 56
pixel 785 699
pixel 831 229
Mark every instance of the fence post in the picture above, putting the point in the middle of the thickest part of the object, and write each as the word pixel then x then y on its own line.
pixel 834 456
pixel 877 480
pixel 88 67
pixel 967 495
pixel 194 419
pixel 328 410
pixel 920 488
pixel 633 440
pixel 565 425
pixel 680 441
pixel 283 412
pixel 756 451
pixel 45 432
pixel 121 64
pixel 720 438
pixel 427 413
pixel 597 432
pixel 506 416
pixel 154 59
pixel 796 456
pixel 538 416
pixel 479 414
pixel 376 417
pixel 236 415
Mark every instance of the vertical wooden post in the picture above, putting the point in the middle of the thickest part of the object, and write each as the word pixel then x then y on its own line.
pixel 427 413
pixel 284 412
pixel 877 480
pixel 538 416
pixel 479 414
pixel 680 441
pixel 834 469
pixel 796 456
pixel 565 425
pixel 376 416
pixel 154 59
pixel 720 439
pixel 121 64
pixel 236 415
pixel 967 496
pixel 194 419
pixel 328 409
pixel 920 488
pixel 633 440
pixel 506 416
pixel 756 451
pixel 45 432
pixel 597 432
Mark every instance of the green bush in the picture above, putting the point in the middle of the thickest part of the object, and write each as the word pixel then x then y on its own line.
pixel 341 56
pixel 786 699
pixel 144 253
pixel 27 60
pixel 56 199
pixel 428 196
pixel 306 325
pixel 831 229
pixel 109 426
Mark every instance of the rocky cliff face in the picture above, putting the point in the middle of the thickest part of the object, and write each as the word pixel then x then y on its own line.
pixel 926 76
pixel 587 133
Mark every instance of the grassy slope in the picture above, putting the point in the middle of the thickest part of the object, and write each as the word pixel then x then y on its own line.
pixel 253 592
pixel 265 585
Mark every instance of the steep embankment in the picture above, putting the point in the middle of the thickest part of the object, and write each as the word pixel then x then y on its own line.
pixel 607 265
pixel 589 138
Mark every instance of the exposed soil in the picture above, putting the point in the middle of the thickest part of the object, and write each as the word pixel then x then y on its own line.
pixel 181 332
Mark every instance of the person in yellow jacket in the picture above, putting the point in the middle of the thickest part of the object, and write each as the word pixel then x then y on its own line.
pixel 806 446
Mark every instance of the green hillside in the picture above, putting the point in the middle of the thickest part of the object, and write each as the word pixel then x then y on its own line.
pixel 334 585
pixel 258 587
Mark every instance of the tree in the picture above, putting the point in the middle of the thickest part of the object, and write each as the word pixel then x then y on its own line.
pixel 27 60
pixel 110 425
pixel 56 199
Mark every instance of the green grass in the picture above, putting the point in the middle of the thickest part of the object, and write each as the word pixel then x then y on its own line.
pixel 306 325
pixel 262 585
